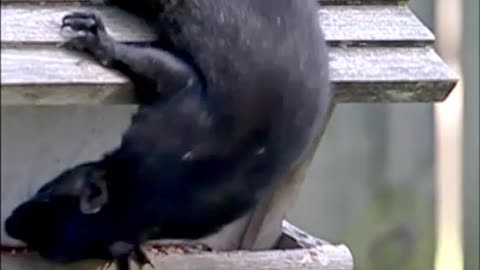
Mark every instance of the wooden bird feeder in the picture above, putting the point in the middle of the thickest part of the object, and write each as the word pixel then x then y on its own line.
pixel 379 53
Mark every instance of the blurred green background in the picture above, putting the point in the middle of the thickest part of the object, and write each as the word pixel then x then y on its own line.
pixel 371 184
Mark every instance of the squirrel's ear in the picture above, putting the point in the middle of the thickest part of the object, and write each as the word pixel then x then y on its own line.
pixel 94 194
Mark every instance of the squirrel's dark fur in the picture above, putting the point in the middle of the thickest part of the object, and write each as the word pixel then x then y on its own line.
pixel 233 93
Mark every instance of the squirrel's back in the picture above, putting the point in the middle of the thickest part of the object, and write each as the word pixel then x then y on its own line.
pixel 264 63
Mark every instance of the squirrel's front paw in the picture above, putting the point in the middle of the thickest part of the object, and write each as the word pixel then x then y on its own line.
pixel 89 35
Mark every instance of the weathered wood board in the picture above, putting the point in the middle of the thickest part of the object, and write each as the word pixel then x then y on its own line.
pixel 325 2
pixel 321 258
pixel 297 250
pixel 57 77
pixel 32 25
pixel 378 54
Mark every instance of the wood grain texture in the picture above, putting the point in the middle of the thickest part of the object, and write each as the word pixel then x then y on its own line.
pixel 325 2
pixel 36 26
pixel 326 257
pixel 386 74
pixel 301 252
pixel 57 77
pixel 293 237
pixel 362 2
pixel 343 25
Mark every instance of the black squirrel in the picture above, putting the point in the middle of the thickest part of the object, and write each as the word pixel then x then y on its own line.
pixel 231 95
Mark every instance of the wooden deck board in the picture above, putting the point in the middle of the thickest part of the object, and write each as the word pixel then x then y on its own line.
pixel 35 77
pixel 324 2
pixel 343 25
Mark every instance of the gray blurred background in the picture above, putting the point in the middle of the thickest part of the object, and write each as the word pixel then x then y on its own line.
pixel 372 183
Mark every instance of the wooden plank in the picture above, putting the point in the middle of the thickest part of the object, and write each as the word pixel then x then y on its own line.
pixel 320 258
pixel 361 26
pixel 35 26
pixel 324 2
pixel 297 251
pixel 373 25
pixel 293 237
pixel 390 75
pixel 57 77
pixel 363 2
